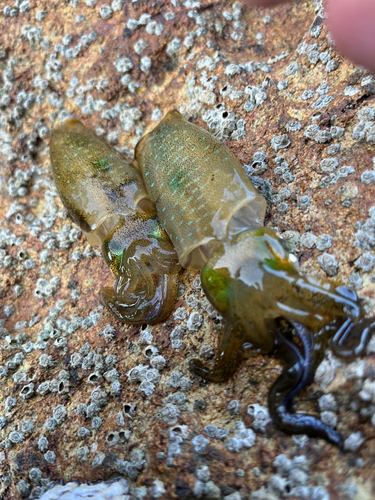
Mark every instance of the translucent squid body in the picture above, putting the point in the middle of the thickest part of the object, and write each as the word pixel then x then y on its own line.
pixel 104 194
pixel 214 217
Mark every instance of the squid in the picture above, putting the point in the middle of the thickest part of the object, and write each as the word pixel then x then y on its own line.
pixel 105 196
pixel 214 217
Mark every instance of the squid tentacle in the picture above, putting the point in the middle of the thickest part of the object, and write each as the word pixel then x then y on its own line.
pixel 361 332
pixel 140 296
pixel 291 381
pixel 230 349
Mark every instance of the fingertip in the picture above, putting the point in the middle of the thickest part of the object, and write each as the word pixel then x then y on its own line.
pixel 263 3
pixel 351 23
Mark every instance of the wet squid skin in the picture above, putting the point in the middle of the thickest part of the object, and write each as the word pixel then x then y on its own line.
pixel 105 195
pixel 214 217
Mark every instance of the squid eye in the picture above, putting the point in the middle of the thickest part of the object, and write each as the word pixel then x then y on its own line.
pixel 293 261
pixel 293 258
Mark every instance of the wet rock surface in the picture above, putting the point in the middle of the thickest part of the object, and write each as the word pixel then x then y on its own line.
pixel 84 398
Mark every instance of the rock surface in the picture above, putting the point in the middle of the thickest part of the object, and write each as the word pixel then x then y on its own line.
pixel 83 398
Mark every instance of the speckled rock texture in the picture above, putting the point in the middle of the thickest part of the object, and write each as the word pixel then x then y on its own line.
pixel 86 399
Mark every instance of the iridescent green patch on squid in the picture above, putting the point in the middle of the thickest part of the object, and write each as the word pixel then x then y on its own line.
pixel 103 163
pixel 217 283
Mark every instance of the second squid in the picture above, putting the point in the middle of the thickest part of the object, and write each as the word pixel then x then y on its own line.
pixel 214 217
pixel 104 194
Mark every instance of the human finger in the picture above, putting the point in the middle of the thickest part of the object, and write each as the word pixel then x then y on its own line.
pixel 352 24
